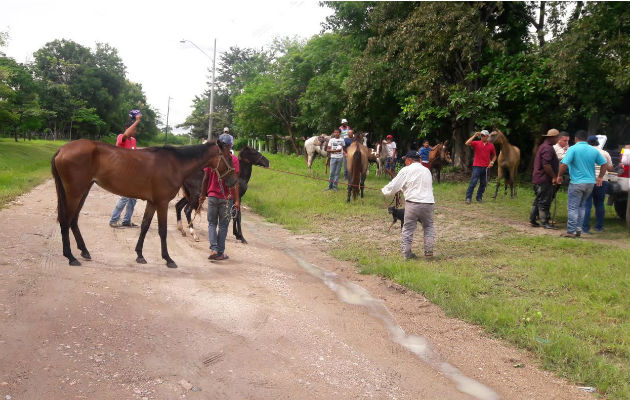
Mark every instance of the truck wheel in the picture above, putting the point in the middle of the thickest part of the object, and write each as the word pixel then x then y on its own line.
pixel 620 207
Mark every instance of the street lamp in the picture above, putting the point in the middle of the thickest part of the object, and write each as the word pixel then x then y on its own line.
pixel 168 110
pixel 214 56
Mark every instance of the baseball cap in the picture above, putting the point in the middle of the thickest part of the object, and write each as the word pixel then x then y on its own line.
pixel 412 154
pixel 344 121
pixel 133 113
pixel 592 140
pixel 389 137
pixel 226 130
pixel 226 138
pixel 485 132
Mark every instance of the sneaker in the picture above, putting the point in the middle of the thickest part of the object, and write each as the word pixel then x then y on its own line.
pixel 568 235
pixel 213 255
pixel 599 230
pixel 220 257
pixel 548 226
pixel 467 201
pixel 428 254
pixel 410 256
pixel 479 200
pixel 129 224
pixel 534 224
pixel 578 233
pixel 114 224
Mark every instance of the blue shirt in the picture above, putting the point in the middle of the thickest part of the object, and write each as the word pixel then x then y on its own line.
pixel 424 153
pixel 581 159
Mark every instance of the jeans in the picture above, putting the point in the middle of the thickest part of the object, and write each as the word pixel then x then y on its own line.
pixel 542 203
pixel 414 213
pixel 335 169
pixel 124 201
pixel 597 199
pixel 478 174
pixel 218 215
pixel 576 200
pixel 390 163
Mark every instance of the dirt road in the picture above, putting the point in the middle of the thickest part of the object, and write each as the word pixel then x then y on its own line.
pixel 279 319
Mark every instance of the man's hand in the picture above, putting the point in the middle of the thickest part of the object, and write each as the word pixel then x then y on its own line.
pixel 554 181
pixel 491 164
pixel 202 198
pixel 237 204
pixel 138 117
pixel 599 181
pixel 559 180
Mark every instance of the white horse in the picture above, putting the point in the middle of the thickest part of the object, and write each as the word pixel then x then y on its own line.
pixel 379 154
pixel 313 146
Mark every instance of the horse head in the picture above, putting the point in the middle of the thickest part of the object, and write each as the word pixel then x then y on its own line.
pixel 253 156
pixel 445 154
pixel 224 166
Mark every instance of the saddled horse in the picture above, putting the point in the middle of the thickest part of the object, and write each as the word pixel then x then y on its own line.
pixel 357 160
pixel 313 146
pixel 154 174
pixel 439 156
pixel 192 190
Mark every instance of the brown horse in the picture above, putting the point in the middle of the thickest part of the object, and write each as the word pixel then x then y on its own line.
pixel 192 190
pixel 154 174
pixel 439 156
pixel 508 161
pixel 357 160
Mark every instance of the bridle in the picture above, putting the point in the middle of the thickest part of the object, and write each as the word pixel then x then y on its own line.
pixel 216 168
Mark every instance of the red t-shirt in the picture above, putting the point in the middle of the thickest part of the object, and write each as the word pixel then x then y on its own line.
pixel 482 153
pixel 214 190
pixel 129 143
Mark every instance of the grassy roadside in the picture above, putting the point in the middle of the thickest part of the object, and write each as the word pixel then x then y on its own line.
pixel 565 300
pixel 24 165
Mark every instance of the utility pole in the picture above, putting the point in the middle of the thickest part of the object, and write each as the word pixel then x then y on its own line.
pixel 214 57
pixel 168 110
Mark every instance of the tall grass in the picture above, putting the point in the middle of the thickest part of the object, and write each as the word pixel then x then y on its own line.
pixel 24 165
pixel 565 300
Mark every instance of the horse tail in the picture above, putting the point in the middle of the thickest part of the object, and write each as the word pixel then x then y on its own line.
pixel 61 192
pixel 356 171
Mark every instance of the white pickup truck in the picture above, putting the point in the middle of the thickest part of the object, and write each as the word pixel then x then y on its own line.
pixel 619 186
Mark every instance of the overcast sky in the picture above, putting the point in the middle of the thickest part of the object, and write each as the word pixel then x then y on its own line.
pixel 147 35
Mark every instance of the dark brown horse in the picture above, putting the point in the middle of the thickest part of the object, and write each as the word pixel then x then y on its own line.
pixel 507 162
pixel 192 189
pixel 357 161
pixel 154 174
pixel 439 156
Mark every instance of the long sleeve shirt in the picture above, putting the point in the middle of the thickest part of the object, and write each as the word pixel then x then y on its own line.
pixel 415 181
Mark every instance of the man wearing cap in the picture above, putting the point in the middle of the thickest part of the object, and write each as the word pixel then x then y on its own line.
pixel 390 160
pixel 344 128
pixel 347 141
pixel 598 194
pixel 219 212
pixel 336 150
pixel 483 150
pixel 416 183
pixel 546 166
pixel 126 140
pixel 580 160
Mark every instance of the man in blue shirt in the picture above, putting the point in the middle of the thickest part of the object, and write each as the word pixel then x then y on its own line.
pixel 424 152
pixel 580 160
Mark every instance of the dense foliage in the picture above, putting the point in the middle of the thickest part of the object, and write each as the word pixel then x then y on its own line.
pixel 438 70
pixel 69 91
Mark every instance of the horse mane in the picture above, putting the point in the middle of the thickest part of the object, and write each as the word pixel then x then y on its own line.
pixel 183 152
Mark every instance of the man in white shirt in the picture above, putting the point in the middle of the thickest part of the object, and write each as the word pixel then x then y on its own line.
pixel 416 183
pixel 335 149
pixel 562 146
pixel 390 161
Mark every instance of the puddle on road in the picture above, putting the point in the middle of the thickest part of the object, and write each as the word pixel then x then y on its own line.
pixel 352 293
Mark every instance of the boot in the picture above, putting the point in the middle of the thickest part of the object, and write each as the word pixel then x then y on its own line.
pixel 532 217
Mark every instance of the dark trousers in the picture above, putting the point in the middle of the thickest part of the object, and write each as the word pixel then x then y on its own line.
pixel 542 203
pixel 478 175
pixel 595 199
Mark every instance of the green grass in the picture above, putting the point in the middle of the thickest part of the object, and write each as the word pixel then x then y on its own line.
pixel 565 300
pixel 24 165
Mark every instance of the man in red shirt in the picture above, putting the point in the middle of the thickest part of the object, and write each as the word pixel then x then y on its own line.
pixel 483 150
pixel 219 204
pixel 126 140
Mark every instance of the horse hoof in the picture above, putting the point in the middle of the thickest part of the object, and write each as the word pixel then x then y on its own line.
pixel 183 233
pixel 86 255
pixel 171 264
pixel 74 263
pixel 243 241
pixel 196 238
pixel 141 260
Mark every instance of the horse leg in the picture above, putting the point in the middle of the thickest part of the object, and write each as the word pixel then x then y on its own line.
pixel 349 191
pixel 73 203
pixel 438 171
pixel 237 221
pixel 74 225
pixel 183 202
pixel 363 177
pixel 162 212
pixel 191 228
pixel 144 227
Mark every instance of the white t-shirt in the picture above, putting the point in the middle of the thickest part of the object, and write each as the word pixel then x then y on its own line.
pixel 336 144
pixel 390 147
pixel 608 162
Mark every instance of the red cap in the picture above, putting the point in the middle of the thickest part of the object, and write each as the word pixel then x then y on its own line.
pixel 389 137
